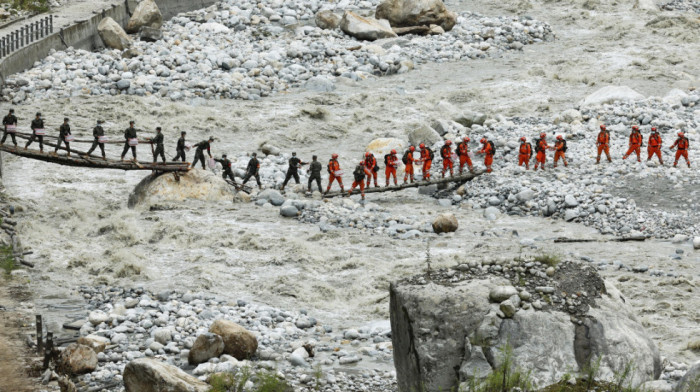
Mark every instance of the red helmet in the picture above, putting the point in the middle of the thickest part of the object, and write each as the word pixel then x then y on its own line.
pixel 681 134
pixel 653 129
pixel 603 127
pixel 522 139
pixel 422 145
pixel 543 135
pixel 448 142
pixel 483 140
pixel 412 148
pixel 393 151
pixel 334 156
pixel 362 163
pixel 467 139
pixel 560 137
pixel 635 128
pixel 367 154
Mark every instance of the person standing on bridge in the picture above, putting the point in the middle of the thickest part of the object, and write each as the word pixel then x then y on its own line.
pixel 293 170
pixel 315 173
pixel 10 127
pixel 226 167
pixel 392 162
pixel 463 153
pixel 63 133
pixel 408 160
pixel 359 175
pixel 426 156
pixel 181 146
pixel 158 141
pixel 253 170
pixel 98 133
pixel 371 168
pixel 199 152
pixel 334 173
pixel 446 154
pixel 38 132
pixel 489 150
pixel 131 140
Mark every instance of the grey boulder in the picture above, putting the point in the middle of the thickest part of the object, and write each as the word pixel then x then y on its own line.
pixel 369 29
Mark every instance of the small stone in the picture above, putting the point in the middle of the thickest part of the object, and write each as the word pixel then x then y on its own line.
pixel 501 293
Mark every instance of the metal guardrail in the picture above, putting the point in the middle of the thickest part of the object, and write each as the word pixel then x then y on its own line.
pixel 26 35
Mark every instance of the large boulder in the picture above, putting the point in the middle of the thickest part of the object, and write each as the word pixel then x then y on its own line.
pixel 145 14
pixel 423 134
pixel 406 13
pixel 450 328
pixel 205 347
pixel 383 145
pixel 97 343
pixel 327 20
pixel 611 94
pixel 77 359
pixel 690 381
pixel 112 34
pixel 445 223
pixel 150 34
pixel 368 28
pixel 194 184
pixel 238 341
pixel 150 375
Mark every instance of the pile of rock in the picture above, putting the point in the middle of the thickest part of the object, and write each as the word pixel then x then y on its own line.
pixel 682 5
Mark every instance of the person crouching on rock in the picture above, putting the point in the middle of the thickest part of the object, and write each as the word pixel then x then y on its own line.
pixel 199 152
pixel 359 175
pixel 253 170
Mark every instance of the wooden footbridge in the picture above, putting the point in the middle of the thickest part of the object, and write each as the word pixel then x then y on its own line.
pixel 82 159
pixel 393 188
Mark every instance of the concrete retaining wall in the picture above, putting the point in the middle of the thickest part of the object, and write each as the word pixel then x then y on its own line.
pixel 83 34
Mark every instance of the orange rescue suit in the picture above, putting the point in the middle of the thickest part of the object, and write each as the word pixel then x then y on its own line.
pixel 463 152
pixel 371 169
pixel 409 166
pixel 446 154
pixel 603 145
pixel 654 147
pixel 333 169
pixel 524 154
pixel 682 144
pixel 391 163
pixel 559 152
pixel 635 145
pixel 488 155
pixel 425 157
pixel 541 157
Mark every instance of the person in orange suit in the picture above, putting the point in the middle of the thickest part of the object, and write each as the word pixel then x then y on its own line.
pixel 541 148
pixel 446 154
pixel 635 143
pixel 654 146
pixel 488 149
pixel 524 153
pixel 392 162
pixel 560 150
pixel 334 173
pixel 683 145
pixel 408 161
pixel 463 153
pixel 359 174
pixel 603 143
pixel 426 156
pixel 371 168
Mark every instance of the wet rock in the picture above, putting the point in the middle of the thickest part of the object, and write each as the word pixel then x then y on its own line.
pixel 238 341
pixel 195 184
pixel 491 213
pixel 289 211
pixel 77 359
pixel 320 84
pixel 146 14
pixel 150 375
pixel 404 13
pixel 369 29
pixel 327 20
pixel 445 223
pixel 273 196
pixel 205 347
pixel 98 317
pixel 696 243
pixel 113 35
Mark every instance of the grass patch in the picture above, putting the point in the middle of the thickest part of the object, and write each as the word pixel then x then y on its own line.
pixel 29 5
pixel 504 378
pixel 263 381
pixel 7 261
pixel 548 259
pixel 564 386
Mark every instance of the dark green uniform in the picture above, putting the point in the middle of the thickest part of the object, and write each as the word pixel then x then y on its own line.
pixel 315 174
pixel 180 149
pixel 96 133
pixel 199 153
pixel 253 170
pixel 10 119
pixel 129 133
pixel 292 171
pixel 160 150
pixel 37 123
pixel 226 165
pixel 63 131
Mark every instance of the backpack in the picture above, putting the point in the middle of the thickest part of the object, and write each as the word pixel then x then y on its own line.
pixel 404 158
pixel 563 149
pixel 537 146
pixel 430 154
pixel 386 159
pixel 493 148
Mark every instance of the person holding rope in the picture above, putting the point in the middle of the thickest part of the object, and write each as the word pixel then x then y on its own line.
pixel 99 134
pixel 10 127
pixel 38 132
pixel 64 136
pixel 131 140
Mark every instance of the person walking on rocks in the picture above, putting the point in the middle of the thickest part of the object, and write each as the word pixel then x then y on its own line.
pixel 359 175
pixel 181 147
pixel 489 150
pixel 636 143
pixel 372 168
pixel 131 140
pixel 226 167
pixel 463 153
pixel 541 148
pixel 38 132
pixel 524 153
pixel 426 156
pixel 446 154
pixel 9 123
pixel 654 146
pixel 160 149
pixel 560 150
pixel 392 162
pixel 603 143
pixel 293 170
pixel 253 170
pixel 98 133
pixel 334 173
pixel 683 144
pixel 199 152
pixel 64 136
pixel 408 160
pixel 315 173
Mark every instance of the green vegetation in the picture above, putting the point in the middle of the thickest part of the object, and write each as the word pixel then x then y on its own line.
pixel 504 378
pixel 263 381
pixel 548 259
pixel 29 5
pixel 7 261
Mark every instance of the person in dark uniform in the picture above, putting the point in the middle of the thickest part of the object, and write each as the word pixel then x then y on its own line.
pixel 180 149
pixel 199 152
pixel 293 170
pixel 253 170
pixel 10 120
pixel 130 133
pixel 63 131
pixel 315 173
pixel 97 133
pixel 226 166
pixel 37 123
pixel 158 141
